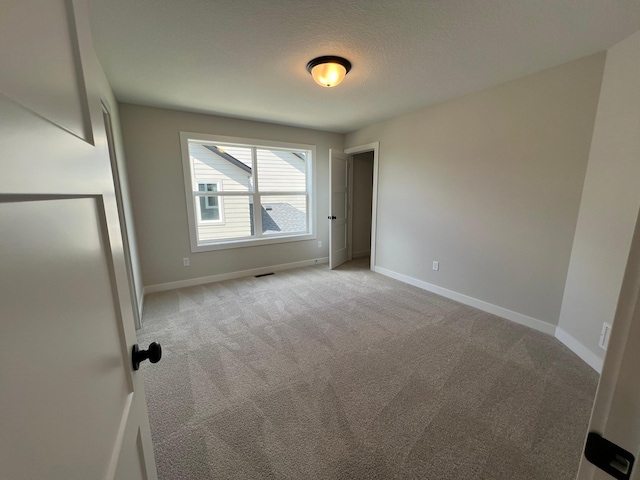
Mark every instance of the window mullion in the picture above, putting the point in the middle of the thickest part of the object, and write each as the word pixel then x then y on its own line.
pixel 257 203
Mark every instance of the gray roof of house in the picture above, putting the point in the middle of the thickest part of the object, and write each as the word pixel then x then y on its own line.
pixel 281 217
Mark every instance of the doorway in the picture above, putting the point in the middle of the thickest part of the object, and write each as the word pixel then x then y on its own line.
pixel 363 194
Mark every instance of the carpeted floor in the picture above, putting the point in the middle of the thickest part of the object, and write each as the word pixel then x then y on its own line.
pixel 347 374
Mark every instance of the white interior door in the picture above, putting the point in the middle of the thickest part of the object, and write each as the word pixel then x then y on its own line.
pixel 616 412
pixel 338 208
pixel 70 405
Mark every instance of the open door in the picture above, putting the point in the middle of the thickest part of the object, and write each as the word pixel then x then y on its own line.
pixel 613 444
pixel 338 208
pixel 72 406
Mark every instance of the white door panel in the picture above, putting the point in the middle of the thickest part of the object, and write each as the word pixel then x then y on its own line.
pixel 48 81
pixel 338 208
pixel 338 239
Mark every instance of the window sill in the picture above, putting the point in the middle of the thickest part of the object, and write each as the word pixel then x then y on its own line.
pixel 251 242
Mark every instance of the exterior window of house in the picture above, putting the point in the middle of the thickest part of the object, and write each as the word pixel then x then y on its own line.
pixel 243 192
pixel 209 207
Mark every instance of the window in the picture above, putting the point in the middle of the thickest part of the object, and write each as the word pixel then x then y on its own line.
pixel 243 192
pixel 209 207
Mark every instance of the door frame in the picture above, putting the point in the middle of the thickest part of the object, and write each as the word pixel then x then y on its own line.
pixel 117 183
pixel 615 411
pixel 375 148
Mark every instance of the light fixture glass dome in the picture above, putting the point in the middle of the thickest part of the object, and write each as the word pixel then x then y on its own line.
pixel 328 71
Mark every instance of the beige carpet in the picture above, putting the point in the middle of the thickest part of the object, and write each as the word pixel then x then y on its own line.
pixel 347 374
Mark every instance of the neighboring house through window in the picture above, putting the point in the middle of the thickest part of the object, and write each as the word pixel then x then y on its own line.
pixel 244 192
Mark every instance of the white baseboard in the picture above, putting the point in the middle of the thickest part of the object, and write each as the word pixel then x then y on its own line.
pixel 516 317
pixel 161 287
pixel 570 342
pixel 579 349
pixel 364 253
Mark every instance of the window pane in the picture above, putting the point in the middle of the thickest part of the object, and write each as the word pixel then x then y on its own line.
pixel 229 167
pixel 207 187
pixel 235 218
pixel 209 210
pixel 281 171
pixel 284 214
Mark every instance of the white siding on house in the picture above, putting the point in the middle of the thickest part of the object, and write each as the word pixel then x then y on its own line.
pixel 242 154
pixel 280 171
pixel 236 220
pixel 209 166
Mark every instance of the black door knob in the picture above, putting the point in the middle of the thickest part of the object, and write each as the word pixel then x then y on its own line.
pixel 331 217
pixel 153 353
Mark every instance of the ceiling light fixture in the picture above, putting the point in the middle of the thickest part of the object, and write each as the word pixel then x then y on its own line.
pixel 328 71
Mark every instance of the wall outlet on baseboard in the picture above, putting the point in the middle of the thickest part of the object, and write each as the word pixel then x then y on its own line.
pixel 185 261
pixel 319 243
pixel 436 266
pixel 604 336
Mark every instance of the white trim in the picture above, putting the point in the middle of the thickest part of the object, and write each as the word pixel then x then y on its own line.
pixel 375 147
pixel 251 242
pixel 590 358
pixel 350 172
pixel 516 317
pixel 122 216
pixel 245 141
pixel 364 253
pixel 161 287
pixel 140 307
pixel 580 350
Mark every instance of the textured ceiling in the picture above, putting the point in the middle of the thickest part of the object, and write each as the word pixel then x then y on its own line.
pixel 247 58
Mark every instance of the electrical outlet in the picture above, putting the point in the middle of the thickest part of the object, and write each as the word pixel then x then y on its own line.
pixel 319 243
pixel 436 266
pixel 604 335
pixel 185 261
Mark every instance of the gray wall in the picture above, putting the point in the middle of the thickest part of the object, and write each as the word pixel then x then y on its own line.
pixel 489 185
pixel 610 201
pixel 154 166
pixel 361 211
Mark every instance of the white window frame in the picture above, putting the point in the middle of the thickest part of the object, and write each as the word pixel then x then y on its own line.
pixel 258 238
pixel 218 184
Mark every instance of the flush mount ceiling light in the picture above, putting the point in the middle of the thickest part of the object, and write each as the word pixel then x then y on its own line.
pixel 328 71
